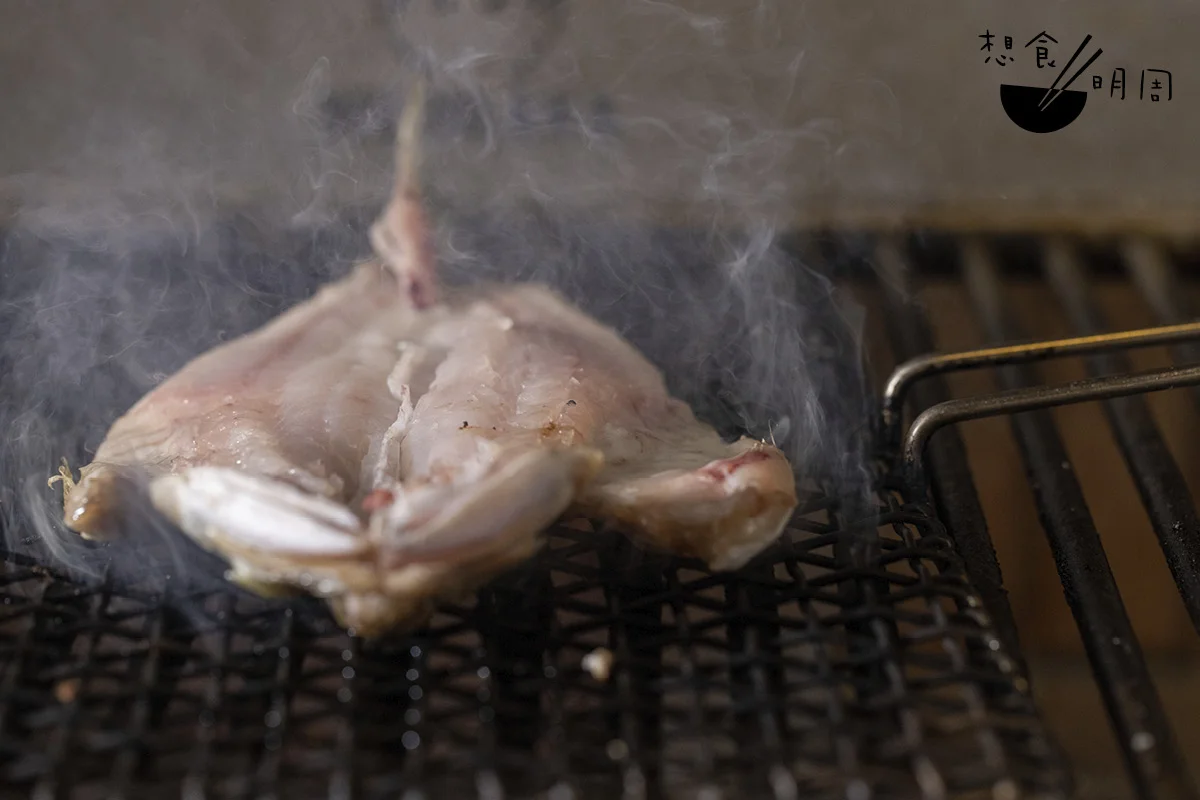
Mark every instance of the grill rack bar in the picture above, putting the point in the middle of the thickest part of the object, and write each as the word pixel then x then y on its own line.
pixel 1018 400
pixel 1133 704
pixel 955 494
pixel 1160 482
pixel 915 369
pixel 1152 758
pixel 1159 284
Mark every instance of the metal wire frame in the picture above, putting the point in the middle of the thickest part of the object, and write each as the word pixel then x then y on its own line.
pixel 913 370
pixel 1015 401
pixel 1155 764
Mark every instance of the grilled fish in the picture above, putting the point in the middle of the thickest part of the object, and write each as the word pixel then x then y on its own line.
pixel 390 443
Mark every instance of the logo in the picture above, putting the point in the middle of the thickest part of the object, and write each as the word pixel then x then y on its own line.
pixel 1050 108
pixel 1036 110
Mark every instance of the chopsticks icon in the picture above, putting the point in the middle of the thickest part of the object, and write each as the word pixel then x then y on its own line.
pixel 1052 93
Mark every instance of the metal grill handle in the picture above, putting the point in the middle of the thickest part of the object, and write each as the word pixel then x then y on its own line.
pixel 908 373
pixel 1015 401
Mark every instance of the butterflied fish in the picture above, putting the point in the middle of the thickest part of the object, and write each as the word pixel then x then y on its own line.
pixel 391 442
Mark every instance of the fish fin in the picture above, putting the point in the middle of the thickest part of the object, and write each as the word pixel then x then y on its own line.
pixel 66 477
pixel 400 236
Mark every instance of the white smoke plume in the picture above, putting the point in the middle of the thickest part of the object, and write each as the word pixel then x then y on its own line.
pixel 183 172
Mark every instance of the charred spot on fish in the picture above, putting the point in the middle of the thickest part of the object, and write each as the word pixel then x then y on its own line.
pixel 571 403
pixel 464 426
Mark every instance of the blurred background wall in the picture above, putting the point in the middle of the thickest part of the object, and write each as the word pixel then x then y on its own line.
pixel 787 108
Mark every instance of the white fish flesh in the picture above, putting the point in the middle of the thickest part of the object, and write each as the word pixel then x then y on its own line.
pixel 389 443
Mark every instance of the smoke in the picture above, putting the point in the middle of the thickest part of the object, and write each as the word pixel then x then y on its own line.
pixel 186 172
pixel 752 340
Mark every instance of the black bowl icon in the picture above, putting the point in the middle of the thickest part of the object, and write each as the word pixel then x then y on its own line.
pixel 1021 104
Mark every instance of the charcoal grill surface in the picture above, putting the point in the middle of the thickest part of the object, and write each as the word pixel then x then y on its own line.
pixel 852 659
pixel 870 653
pixel 1154 761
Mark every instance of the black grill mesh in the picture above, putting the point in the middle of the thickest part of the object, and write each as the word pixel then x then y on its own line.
pixel 849 661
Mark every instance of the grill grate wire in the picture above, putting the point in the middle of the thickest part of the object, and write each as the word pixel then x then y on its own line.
pixel 777 682
pixel 1154 761
pixel 869 653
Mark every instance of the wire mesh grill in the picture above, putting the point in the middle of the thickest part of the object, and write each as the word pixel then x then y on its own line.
pixel 1155 763
pixel 853 659
pixel 850 660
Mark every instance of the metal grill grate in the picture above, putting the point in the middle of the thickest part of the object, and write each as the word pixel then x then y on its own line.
pixel 870 653
pixel 849 661
pixel 1154 761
